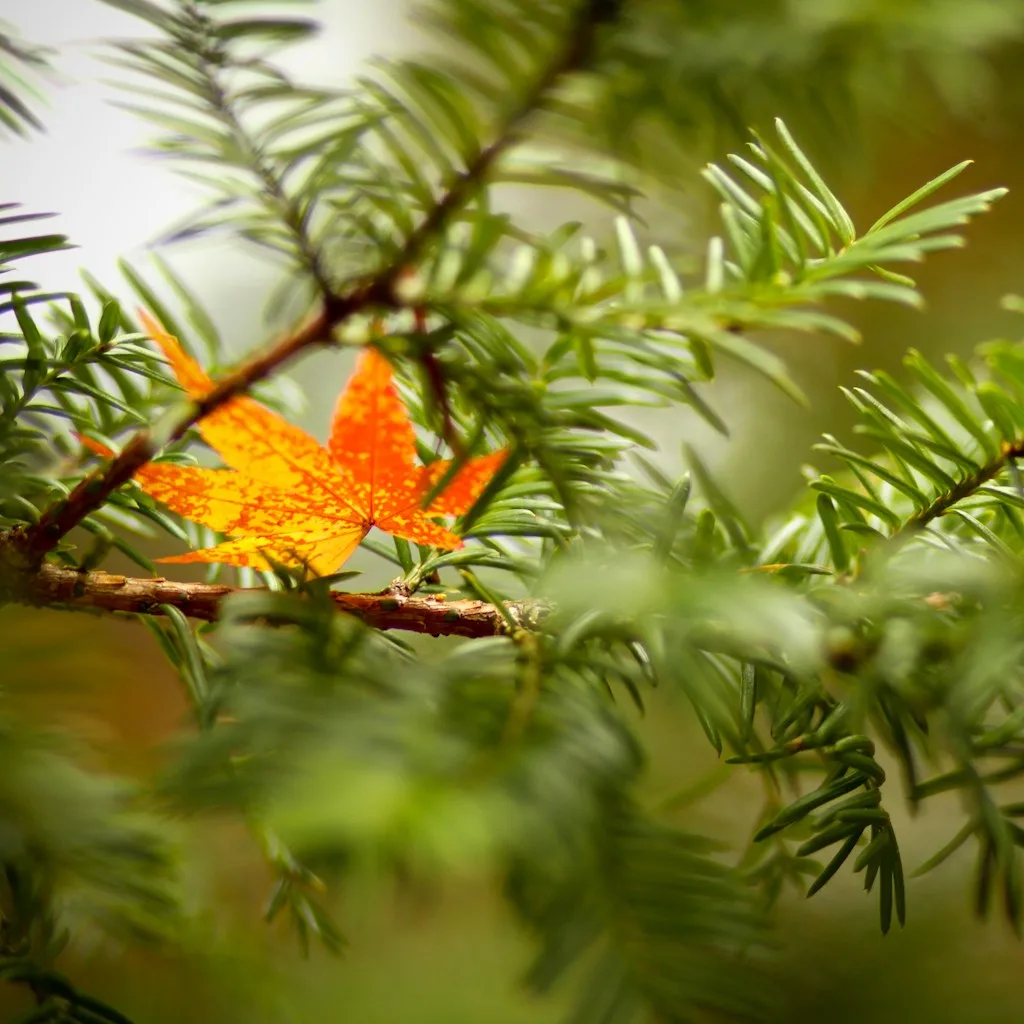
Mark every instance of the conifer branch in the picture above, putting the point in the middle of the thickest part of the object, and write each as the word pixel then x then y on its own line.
pixel 460 191
pixel 964 489
pixel 379 290
pixel 291 216
pixel 55 585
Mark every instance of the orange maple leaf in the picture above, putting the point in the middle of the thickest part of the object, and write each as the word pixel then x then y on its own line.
pixel 287 497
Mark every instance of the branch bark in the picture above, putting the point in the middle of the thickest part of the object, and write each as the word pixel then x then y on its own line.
pixel 1009 453
pixel 57 586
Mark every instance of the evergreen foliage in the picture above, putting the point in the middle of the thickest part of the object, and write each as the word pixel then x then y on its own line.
pixel 880 613
pixel 20 63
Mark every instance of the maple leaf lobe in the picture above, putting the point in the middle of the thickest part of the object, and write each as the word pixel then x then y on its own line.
pixel 287 497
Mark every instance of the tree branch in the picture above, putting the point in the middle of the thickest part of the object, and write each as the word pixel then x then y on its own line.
pixel 58 586
pixel 378 290
pixel 1009 453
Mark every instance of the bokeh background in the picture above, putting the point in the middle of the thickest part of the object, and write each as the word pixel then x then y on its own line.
pixel 456 958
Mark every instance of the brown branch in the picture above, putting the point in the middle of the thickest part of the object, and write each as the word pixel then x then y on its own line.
pixel 1009 453
pixel 58 586
pixel 379 290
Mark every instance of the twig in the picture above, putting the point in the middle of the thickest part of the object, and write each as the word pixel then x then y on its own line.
pixel 381 290
pixel 1009 453
pixel 55 585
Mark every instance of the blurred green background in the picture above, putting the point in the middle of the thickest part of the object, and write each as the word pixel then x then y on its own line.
pixel 455 957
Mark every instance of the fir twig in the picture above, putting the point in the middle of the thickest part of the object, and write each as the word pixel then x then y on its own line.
pixel 1008 454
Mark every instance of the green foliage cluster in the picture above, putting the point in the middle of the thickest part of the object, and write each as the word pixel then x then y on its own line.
pixel 881 611
pixel 21 63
